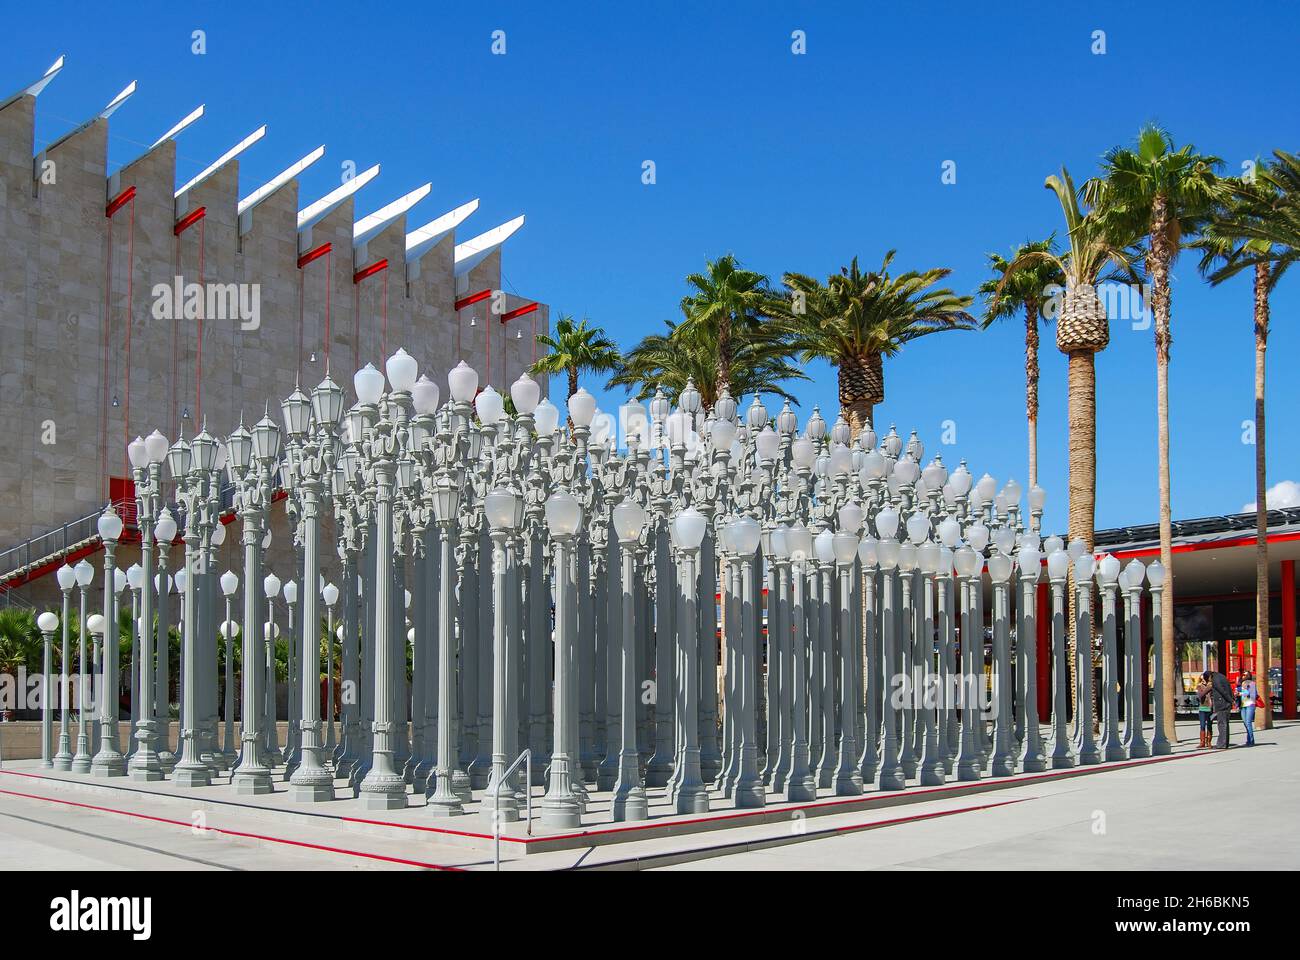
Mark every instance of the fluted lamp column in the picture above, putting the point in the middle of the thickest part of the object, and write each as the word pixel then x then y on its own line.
pixel 629 801
pixel 109 761
pixel 561 807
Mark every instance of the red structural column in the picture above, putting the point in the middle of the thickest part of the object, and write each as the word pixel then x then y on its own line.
pixel 1288 639
pixel 1144 609
pixel 1044 663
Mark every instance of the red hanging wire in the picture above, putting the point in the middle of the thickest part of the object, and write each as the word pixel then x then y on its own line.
pixel 383 335
pixel 198 360
pixel 329 277
pixel 301 322
pixel 176 343
pixel 130 309
pixel 356 327
pixel 103 399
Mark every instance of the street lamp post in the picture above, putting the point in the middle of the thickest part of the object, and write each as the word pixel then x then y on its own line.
pixel 67 577
pixel 47 623
pixel 108 761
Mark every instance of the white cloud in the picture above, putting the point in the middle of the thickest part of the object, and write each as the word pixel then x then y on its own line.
pixel 1278 497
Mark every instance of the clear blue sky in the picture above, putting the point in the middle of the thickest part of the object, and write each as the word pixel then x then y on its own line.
pixel 790 162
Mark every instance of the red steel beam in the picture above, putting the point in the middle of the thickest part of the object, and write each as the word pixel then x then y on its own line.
pixel 473 298
pixel 187 221
pixel 118 202
pixel 315 254
pixel 369 271
pixel 518 312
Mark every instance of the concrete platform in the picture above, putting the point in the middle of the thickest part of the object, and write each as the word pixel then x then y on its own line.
pixel 412 837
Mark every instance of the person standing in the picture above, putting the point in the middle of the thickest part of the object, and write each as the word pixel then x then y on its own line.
pixel 1221 697
pixel 1250 698
pixel 1205 711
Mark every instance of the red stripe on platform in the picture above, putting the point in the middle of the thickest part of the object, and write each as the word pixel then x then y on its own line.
pixel 221 830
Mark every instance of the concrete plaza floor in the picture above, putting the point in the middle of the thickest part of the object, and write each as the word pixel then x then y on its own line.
pixel 1155 815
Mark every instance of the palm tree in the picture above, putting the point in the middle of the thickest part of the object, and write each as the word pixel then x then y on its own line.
pixel 1165 194
pixel 724 298
pixel 576 348
pixel 856 319
pixel 1092 256
pixel 1258 228
pixel 760 363
pixel 1025 290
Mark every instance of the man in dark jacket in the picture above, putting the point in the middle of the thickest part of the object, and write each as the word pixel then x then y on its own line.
pixel 1221 699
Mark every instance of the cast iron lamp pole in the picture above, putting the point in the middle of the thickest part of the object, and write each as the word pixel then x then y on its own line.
pixel 1058 568
pixel 1160 745
pixel 629 801
pixel 109 762
pixel 67 577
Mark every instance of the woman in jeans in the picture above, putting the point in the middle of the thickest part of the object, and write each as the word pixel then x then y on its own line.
pixel 1205 711
pixel 1249 693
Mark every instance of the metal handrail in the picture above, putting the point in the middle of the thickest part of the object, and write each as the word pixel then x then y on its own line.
pixel 526 758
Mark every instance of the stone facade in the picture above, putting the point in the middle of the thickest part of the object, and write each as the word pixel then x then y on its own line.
pixel 88 363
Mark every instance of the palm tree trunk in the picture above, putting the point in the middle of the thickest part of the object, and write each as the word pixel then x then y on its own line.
pixel 1081 408
pixel 1159 259
pixel 862 386
pixel 1263 716
pixel 724 354
pixel 1031 386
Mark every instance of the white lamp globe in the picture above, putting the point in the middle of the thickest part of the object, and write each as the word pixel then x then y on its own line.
pixel 1084 567
pixel 1004 539
pixel 402 369
pixel 767 442
pixel 229 583
pixel 1030 561
pixel 986 488
pixel 47 622
pixel 1037 497
pixel 547 417
pixel 489 406
pixel 887 523
pixel 1076 549
pixel 424 396
pixel 582 407
pixel 1108 569
pixel 867 551
pixel 966 561
pixel 999 568
pixel 67 577
pixel 824 546
pixel 156 445
pixel 722 434
pixel 908 559
pixel 271 631
pixel 845 546
pixel 918 527
pixel 563 514
pixel 778 547
pixel 499 506
pixel 462 381
pixel 629 520
pixel 1156 574
pixel 290 592
pixel 873 465
pixel 135 576
pixel 1052 544
pixel 119 580
pixel 164 530
pixel 368 384
pixel 928 555
pixel 799 540
pixel 1012 492
pixel 949 532
pixel 95 623
pixel 977 535
pixel 887 554
pixel 330 594
pixel 110 525
pixel 218 534
pixel 1136 573
pixel 270 585
pixel 850 517
pixel 138 453
pixel 1058 564
pixel 689 526
pixel 746 532
pixel 525 393
pixel 803 452
pixel 841 460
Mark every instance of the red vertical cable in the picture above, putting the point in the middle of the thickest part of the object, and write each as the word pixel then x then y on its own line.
pixel 301 323
pixel 175 339
pixel 383 329
pixel 329 278
pixel 130 272
pixel 356 327
pixel 487 348
pixel 198 360
pixel 103 398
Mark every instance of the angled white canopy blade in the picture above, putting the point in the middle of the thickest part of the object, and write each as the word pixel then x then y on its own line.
pixel 117 101
pixel 189 118
pixel 280 179
pixel 423 238
pixel 314 212
pixel 225 158
pixel 472 252
pixel 35 89
pixel 367 227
